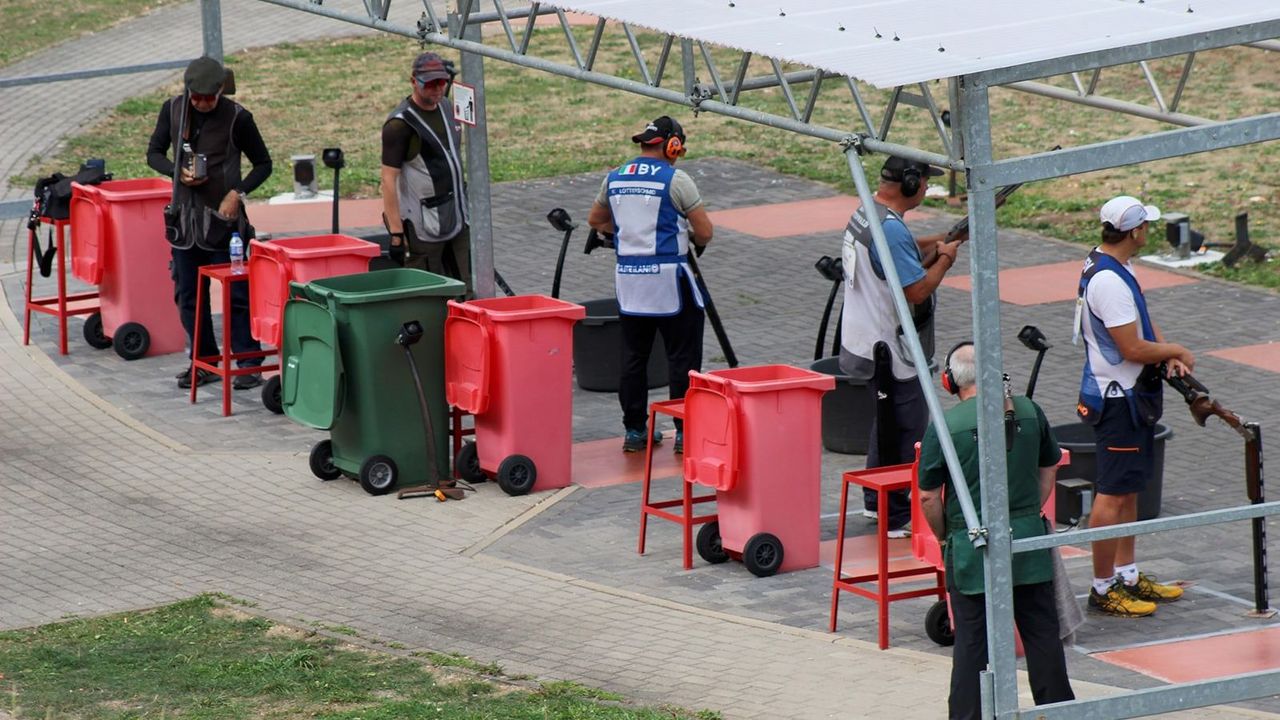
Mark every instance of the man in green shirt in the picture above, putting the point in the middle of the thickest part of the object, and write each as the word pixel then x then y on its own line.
pixel 1032 460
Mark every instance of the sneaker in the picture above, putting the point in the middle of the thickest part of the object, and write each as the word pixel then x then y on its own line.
pixel 244 382
pixel 633 441
pixel 678 446
pixel 899 533
pixel 1120 602
pixel 1148 589
pixel 203 377
pixel 871 514
pixel 186 372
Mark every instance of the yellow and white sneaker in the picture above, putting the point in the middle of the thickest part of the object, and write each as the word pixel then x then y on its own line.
pixel 1120 602
pixel 1148 589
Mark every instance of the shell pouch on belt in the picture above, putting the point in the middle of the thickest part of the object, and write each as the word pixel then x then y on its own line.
pixel 439 218
pixel 647 285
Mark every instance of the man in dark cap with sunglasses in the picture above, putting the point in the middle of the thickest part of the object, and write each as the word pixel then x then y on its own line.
pixel 424 199
pixel 208 134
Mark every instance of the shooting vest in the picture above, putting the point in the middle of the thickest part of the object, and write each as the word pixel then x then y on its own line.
pixel 431 189
pixel 1023 461
pixel 868 316
pixel 1106 372
pixel 214 138
pixel 652 239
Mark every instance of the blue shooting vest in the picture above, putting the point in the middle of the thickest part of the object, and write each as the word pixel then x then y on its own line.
pixel 1146 396
pixel 651 239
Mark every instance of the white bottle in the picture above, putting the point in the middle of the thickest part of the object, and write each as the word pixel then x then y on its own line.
pixel 237 254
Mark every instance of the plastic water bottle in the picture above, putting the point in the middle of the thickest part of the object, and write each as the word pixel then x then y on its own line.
pixel 237 254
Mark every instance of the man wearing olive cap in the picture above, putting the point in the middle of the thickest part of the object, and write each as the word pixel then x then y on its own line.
pixel 203 123
pixel 1120 396
pixel 424 198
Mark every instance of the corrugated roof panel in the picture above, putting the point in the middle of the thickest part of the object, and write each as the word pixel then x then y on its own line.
pixel 896 42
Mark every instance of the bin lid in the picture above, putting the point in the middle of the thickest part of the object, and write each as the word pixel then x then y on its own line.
pixel 317 246
pixel 152 188
pixel 312 377
pixel 767 378
pixel 384 285
pixel 520 308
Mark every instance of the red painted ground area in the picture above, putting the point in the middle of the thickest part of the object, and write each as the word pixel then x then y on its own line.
pixel 1204 658
pixel 600 463
pixel 1265 356
pixel 1040 284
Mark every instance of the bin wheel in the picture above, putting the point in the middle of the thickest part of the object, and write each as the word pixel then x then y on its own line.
pixel 322 461
pixel 132 341
pixel 271 398
pixel 937 625
pixel 93 332
pixel 378 475
pixel 516 475
pixel 708 544
pixel 467 464
pixel 762 554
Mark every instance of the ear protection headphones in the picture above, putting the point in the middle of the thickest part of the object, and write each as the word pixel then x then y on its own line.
pixel 948 379
pixel 910 181
pixel 674 147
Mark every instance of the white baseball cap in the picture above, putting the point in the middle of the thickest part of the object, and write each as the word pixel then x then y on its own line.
pixel 1126 213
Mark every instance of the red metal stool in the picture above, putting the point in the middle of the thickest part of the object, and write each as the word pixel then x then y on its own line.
pixel 61 305
pixel 221 365
pixel 686 518
pixel 882 480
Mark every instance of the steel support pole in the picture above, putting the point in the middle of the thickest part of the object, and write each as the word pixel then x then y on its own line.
pixel 984 273
pixel 1257 496
pixel 481 216
pixel 211 28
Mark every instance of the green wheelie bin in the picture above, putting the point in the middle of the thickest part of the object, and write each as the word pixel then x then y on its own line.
pixel 345 368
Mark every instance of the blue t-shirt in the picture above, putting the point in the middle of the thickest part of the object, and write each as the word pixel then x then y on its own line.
pixel 906 254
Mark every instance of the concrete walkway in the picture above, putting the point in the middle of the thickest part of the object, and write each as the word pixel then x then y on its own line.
pixel 118 494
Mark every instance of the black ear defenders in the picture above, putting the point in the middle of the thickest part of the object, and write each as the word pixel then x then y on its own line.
pixel 948 379
pixel 910 181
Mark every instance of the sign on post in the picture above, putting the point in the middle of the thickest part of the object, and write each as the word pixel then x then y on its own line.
pixel 464 103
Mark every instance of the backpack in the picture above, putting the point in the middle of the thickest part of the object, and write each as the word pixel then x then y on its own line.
pixel 53 202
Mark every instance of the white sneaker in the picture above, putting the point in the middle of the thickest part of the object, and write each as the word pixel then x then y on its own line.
pixel 871 514
pixel 902 532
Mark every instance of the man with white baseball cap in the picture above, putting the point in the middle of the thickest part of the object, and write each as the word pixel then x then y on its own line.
pixel 1120 396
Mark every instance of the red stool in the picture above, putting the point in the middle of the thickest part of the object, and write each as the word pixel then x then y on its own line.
pixel 882 480
pixel 221 365
pixel 686 518
pixel 61 305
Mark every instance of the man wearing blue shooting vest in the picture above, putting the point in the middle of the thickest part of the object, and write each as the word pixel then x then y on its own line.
pixel 1120 396
pixel 654 212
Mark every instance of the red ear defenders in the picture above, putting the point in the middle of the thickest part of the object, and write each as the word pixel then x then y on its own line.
pixel 948 379
pixel 673 148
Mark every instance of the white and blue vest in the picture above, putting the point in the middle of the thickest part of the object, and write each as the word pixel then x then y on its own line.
pixel 651 239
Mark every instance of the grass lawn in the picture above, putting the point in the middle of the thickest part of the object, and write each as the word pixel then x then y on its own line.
pixel 325 93
pixel 29 26
pixel 202 660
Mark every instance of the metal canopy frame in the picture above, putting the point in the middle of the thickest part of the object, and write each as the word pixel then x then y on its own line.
pixel 965 144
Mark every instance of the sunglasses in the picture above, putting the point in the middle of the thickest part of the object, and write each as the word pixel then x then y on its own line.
pixel 436 83
pixel 202 98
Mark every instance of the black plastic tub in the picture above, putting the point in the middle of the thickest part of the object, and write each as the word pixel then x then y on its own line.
pixel 847 411
pixel 597 349
pixel 1078 438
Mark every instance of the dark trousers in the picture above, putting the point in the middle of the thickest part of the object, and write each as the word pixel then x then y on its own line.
pixel 451 258
pixel 1036 616
pixel 186 270
pixel 682 334
pixel 908 417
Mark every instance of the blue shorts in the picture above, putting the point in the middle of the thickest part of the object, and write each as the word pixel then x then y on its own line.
pixel 1125 451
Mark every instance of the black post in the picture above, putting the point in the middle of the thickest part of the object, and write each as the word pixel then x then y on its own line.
pixel 335 199
pixel 1254 487
pixel 826 318
pixel 716 325
pixel 564 247
pixel 1035 373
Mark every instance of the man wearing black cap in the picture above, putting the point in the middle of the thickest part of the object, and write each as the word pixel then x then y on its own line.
pixel 424 198
pixel 208 133
pixel 654 212
pixel 872 346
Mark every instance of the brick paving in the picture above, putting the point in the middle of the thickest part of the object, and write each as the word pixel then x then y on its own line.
pixel 119 494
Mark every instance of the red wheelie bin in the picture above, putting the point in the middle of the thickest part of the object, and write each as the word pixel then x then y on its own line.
pixel 925 546
pixel 273 265
pixel 118 244
pixel 755 435
pixel 509 362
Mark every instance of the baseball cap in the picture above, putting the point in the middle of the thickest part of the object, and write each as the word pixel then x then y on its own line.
pixel 204 75
pixel 659 130
pixel 430 66
pixel 895 166
pixel 1126 213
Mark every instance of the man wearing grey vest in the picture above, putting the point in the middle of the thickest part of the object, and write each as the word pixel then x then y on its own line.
pixel 424 199
pixel 872 346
